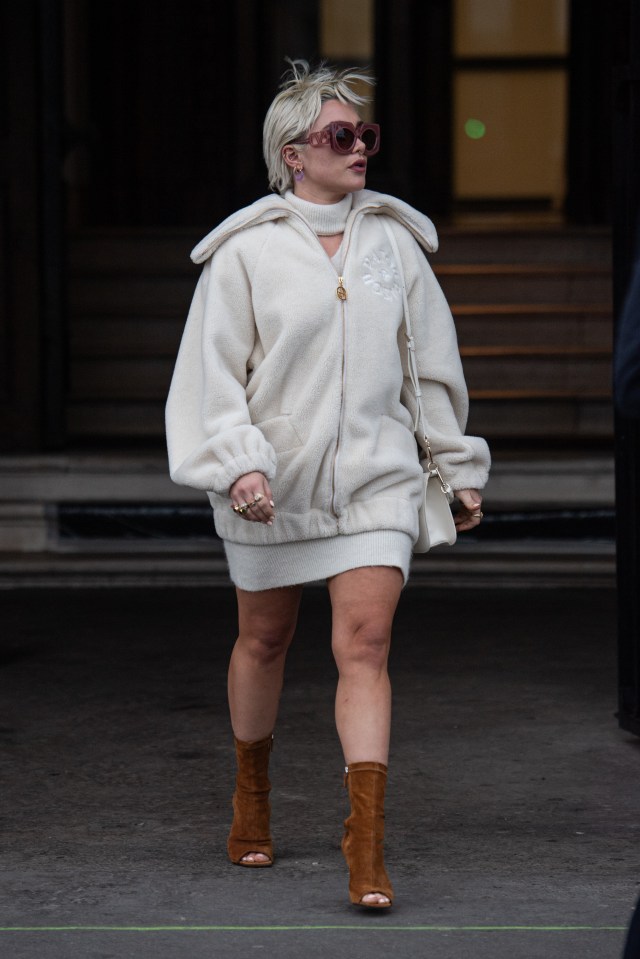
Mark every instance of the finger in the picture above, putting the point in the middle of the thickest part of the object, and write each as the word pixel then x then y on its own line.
pixel 266 506
pixel 470 499
pixel 263 514
pixel 261 510
pixel 467 525
pixel 244 494
pixel 465 520
pixel 245 485
pixel 267 492
pixel 266 512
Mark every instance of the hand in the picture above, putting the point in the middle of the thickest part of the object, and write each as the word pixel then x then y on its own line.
pixel 470 513
pixel 253 490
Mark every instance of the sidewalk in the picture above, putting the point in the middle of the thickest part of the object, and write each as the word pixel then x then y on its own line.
pixel 512 805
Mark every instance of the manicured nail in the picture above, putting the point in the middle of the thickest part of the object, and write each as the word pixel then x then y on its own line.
pixel 271 503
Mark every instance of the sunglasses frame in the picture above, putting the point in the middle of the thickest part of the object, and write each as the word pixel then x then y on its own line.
pixel 329 135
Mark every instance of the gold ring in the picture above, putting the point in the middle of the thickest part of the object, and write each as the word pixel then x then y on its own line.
pixel 240 508
pixel 478 515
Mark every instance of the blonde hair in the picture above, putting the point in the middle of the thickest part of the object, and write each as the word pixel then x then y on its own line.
pixel 295 109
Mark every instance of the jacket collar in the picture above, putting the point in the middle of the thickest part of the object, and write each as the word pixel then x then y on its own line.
pixel 275 207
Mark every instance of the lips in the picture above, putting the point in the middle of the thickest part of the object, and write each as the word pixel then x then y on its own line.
pixel 360 166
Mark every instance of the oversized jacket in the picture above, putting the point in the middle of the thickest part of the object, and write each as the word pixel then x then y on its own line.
pixel 278 374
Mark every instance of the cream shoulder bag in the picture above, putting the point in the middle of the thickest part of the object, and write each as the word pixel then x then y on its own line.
pixel 435 520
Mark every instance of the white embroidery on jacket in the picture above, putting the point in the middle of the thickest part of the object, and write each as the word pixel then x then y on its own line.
pixel 380 272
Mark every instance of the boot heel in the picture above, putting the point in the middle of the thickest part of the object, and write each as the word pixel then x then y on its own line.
pixel 250 830
pixel 362 845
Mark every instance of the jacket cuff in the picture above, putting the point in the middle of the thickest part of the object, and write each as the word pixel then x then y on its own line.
pixel 226 476
pixel 468 467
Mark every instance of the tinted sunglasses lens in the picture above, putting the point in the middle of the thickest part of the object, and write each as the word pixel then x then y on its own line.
pixel 344 139
pixel 370 139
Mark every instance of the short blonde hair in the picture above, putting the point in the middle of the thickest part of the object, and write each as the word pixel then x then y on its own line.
pixel 296 107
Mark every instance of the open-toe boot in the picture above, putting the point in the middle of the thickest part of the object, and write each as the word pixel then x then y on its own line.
pixel 250 830
pixel 363 840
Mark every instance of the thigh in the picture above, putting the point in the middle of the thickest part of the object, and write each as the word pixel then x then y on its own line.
pixel 268 611
pixel 363 596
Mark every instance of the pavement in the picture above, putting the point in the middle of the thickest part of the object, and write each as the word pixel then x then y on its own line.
pixel 512 810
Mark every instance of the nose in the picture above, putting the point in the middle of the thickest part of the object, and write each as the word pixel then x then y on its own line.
pixel 358 146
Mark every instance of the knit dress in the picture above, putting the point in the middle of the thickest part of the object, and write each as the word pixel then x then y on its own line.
pixel 258 567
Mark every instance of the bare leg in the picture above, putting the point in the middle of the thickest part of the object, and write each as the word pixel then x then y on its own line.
pixel 266 624
pixel 364 602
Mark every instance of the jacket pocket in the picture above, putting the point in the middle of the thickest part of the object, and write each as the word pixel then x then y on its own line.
pixel 280 432
pixel 397 443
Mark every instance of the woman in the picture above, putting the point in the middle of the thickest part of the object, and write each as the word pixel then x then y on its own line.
pixel 290 405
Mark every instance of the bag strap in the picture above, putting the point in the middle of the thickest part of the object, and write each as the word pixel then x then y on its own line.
pixel 420 421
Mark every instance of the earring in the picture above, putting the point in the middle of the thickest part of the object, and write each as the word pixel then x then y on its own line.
pixel 298 173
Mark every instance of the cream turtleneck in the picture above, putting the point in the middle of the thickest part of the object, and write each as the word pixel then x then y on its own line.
pixel 326 219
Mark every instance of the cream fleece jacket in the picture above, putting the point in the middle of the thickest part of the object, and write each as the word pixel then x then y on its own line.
pixel 279 375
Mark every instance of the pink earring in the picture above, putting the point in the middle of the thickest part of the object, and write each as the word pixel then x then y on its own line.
pixel 298 173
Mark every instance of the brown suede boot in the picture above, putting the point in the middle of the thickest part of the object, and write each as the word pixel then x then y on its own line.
pixel 251 807
pixel 364 833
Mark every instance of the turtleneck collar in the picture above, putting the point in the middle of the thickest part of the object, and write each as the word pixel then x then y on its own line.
pixel 326 219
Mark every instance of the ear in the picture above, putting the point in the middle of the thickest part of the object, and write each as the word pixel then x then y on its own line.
pixel 291 156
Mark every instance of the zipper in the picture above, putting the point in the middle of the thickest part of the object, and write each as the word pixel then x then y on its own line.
pixel 341 293
pixel 336 454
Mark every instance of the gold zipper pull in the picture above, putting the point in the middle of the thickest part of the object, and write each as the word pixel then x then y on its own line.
pixel 342 293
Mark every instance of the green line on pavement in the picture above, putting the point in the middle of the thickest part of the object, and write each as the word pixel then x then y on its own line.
pixel 359 928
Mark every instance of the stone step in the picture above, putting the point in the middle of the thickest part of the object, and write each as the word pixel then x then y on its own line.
pixel 584 245
pixel 523 324
pixel 518 416
pixel 537 370
pixel 525 283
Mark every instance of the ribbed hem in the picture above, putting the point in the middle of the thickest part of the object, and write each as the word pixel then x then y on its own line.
pixel 288 564
pixel 325 219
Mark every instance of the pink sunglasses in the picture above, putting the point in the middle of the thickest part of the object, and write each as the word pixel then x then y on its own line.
pixel 343 136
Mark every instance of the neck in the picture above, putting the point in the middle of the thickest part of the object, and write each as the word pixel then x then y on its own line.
pixel 326 219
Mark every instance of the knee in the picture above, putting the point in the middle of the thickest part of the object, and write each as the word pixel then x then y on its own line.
pixel 266 644
pixel 366 646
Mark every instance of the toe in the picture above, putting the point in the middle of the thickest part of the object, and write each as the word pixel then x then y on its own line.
pixel 255 857
pixel 375 897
